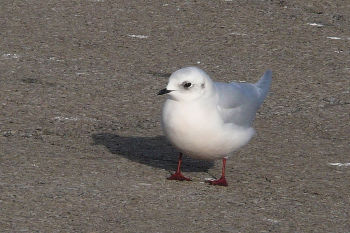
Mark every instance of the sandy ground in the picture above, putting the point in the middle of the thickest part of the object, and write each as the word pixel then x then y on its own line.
pixel 81 147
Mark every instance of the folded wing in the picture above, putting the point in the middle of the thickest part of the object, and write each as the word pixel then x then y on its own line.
pixel 239 102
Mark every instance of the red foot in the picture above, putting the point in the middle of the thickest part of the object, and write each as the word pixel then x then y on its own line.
pixel 178 176
pixel 222 181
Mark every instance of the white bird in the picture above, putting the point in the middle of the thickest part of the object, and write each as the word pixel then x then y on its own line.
pixel 210 120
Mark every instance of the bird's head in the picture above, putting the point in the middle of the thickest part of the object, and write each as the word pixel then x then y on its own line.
pixel 188 84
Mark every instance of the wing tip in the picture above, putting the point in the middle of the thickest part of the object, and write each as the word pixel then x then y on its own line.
pixel 265 80
pixel 268 73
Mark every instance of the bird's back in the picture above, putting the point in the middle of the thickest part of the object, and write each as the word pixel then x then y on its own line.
pixel 239 102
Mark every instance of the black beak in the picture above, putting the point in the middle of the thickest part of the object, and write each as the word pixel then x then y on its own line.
pixel 164 91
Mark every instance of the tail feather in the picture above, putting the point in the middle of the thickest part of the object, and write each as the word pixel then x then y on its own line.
pixel 264 84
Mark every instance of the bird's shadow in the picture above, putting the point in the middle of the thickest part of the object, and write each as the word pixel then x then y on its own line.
pixel 152 151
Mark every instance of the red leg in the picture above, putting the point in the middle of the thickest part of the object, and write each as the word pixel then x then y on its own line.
pixel 178 175
pixel 222 181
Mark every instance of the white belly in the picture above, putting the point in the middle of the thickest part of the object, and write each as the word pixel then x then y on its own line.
pixel 200 132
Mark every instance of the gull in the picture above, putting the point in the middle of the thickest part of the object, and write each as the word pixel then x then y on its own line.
pixel 209 120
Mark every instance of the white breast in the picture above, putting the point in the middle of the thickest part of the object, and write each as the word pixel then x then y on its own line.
pixel 200 132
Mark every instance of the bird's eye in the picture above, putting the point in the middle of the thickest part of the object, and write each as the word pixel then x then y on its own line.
pixel 187 85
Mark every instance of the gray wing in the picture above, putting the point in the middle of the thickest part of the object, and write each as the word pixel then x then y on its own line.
pixel 239 102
